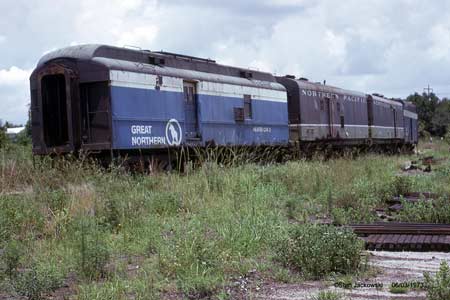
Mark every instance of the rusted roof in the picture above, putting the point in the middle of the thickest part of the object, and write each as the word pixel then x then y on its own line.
pixel 138 57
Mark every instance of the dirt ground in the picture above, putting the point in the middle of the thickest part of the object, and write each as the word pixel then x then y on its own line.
pixel 404 268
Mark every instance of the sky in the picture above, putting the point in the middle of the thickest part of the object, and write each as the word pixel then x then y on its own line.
pixel 390 47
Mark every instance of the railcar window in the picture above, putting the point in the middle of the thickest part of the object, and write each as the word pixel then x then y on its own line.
pixel 189 94
pixel 248 106
pixel 159 80
pixel 342 122
pixel 322 105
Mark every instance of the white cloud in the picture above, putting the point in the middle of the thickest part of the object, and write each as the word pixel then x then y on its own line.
pixel 285 2
pixel 143 35
pixel 13 76
pixel 440 41
pixel 14 94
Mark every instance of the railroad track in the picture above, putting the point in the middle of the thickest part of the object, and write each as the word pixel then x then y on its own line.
pixel 393 236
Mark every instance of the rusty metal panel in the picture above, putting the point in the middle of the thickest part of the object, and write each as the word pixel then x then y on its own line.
pixel 95 113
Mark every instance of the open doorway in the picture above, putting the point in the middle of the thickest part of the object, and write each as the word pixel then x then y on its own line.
pixel 54 110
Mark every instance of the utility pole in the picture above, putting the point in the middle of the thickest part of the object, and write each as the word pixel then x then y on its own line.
pixel 428 91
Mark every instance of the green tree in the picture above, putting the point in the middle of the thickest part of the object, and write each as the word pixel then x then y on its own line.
pixel 28 128
pixel 28 124
pixel 24 138
pixel 426 106
pixel 447 135
pixel 3 137
pixel 441 118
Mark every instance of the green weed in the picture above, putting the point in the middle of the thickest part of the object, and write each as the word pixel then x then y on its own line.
pixel 38 280
pixel 398 289
pixel 438 287
pixel 328 295
pixel 318 250
pixel 11 257
pixel 93 252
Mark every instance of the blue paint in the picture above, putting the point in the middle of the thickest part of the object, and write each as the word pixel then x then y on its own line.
pixel 134 106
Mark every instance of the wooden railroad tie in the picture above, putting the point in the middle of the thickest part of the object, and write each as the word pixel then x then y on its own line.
pixel 404 236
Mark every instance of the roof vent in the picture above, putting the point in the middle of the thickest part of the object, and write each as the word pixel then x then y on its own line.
pixel 378 95
pixel 156 60
pixel 246 74
pixel 289 76
pixel 303 79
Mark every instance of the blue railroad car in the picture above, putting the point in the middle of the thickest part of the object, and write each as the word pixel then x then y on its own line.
pixel 99 98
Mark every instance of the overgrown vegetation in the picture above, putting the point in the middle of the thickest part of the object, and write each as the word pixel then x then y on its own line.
pixel 320 250
pixel 3 137
pixel 37 281
pixel 328 295
pixel 437 211
pixel 438 287
pixel 398 289
pixel 109 234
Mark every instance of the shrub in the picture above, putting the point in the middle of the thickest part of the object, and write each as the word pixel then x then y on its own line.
pixel 319 250
pixel 19 218
pixel 105 291
pixel 11 257
pixel 193 260
pixel 23 138
pixel 438 288
pixel 38 280
pixel 93 253
pixel 166 204
pixel 447 136
pixel 426 212
pixel 3 137
pixel 327 295
pixel 56 199
pixel 118 289
pixel 398 289
pixel 113 215
pixel 402 185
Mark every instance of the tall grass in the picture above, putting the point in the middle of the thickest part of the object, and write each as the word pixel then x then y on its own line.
pixel 179 234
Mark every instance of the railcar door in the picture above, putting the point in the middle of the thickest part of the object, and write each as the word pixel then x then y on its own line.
pixel 411 138
pixel 331 108
pixel 395 121
pixel 190 110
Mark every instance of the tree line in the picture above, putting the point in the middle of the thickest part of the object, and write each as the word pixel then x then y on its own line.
pixel 433 113
pixel 23 138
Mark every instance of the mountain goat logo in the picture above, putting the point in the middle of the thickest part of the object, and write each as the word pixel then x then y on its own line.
pixel 173 133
